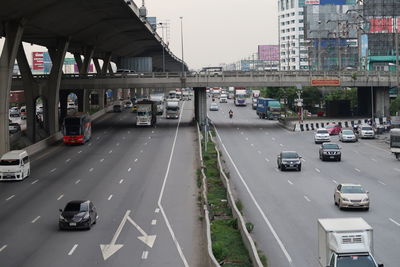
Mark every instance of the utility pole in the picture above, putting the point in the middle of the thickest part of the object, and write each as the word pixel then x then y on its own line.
pixel 183 62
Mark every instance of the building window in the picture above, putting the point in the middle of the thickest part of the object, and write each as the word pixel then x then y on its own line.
pixel 301 13
pixel 293 21
pixel 293 59
pixel 301 20
pixel 301 28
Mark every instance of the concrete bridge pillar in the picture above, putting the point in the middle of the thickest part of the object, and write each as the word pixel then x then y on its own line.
pixel 382 102
pixel 200 105
pixel 31 92
pixel 13 34
pixel 364 96
pixel 50 112
pixel 83 67
pixel 63 105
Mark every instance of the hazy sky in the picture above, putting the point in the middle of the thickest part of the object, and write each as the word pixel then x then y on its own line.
pixel 217 31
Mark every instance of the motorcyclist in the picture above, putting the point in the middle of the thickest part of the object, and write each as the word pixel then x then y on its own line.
pixel 230 113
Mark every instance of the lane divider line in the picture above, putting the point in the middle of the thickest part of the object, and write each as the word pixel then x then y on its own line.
pixel 121 181
pixel 110 197
pixel 266 159
pixel 382 183
pixel 35 220
pixel 393 221
pixel 72 250
pixel 60 197
pixel 53 170
pixel 317 170
pixel 306 198
pixel 290 182
pixel 77 181
pixel 11 197
pixel 34 182
pixel 357 170
pixel 129 169
pixel 3 248
pixel 91 169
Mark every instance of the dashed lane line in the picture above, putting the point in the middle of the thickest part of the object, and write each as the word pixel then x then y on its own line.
pixel 34 182
pixel 121 181
pixel 266 159
pixel 317 170
pixel 110 197
pixel 3 248
pixel 101 160
pixel 10 197
pixel 77 181
pixel 334 181
pixel 306 198
pixel 72 250
pixel 382 183
pixel 357 170
pixel 129 169
pixel 60 197
pixel 290 182
pixel 91 169
pixel 53 170
pixel 36 219
pixel 393 221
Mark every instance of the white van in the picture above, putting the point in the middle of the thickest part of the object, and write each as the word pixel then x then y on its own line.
pixel 15 165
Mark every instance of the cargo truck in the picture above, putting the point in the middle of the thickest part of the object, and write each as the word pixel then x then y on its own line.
pixel 159 100
pixel 172 109
pixel 146 113
pixel 268 108
pixel 240 96
pixel 345 242
pixel 255 95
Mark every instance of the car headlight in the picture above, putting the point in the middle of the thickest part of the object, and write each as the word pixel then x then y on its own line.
pixel 61 218
pixel 365 200
pixel 345 199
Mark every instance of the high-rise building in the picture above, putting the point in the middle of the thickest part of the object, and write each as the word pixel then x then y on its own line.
pixel 292 48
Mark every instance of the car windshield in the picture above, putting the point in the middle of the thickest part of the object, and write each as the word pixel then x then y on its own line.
pixel 355 261
pixel 77 206
pixel 347 132
pixel 322 131
pixel 9 162
pixel 290 155
pixel 352 189
pixel 367 128
pixel 330 146
pixel 329 126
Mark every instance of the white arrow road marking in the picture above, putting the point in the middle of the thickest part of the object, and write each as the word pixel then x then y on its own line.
pixel 157 210
pixel 109 249
pixel 72 250
pixel 3 248
pixel 34 220
pixel 393 221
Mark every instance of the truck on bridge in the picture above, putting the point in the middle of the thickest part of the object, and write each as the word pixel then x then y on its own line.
pixel 240 96
pixel 146 113
pixel 268 108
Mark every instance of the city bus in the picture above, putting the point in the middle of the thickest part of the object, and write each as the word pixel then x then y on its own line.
pixel 212 71
pixel 77 128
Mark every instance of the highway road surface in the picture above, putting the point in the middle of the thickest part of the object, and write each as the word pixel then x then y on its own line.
pixel 142 181
pixel 285 206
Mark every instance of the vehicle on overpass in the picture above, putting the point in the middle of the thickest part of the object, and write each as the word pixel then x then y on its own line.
pixel 330 151
pixel 395 142
pixel 77 128
pixel 14 165
pixel 345 242
pixel 351 196
pixel 211 71
pixel 159 100
pixel 78 214
pixel 268 108
pixel 289 160
pixel 146 113
pixel 172 109
pixel 240 96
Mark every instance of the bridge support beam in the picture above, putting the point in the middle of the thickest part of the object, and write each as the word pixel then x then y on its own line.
pixel 83 67
pixel 364 96
pixel 13 34
pixel 382 102
pixel 31 92
pixel 200 105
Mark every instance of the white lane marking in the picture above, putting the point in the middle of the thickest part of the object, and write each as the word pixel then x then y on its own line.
pixel 273 139
pixel 35 220
pixel 290 182
pixel 110 197
pixel 160 206
pixel 91 169
pixel 80 151
pixel 373 159
pixel 3 248
pixel 278 240
pixel 149 137
pixel 10 197
pixel 317 170
pixel 306 198
pixel 136 160
pixel 152 131
pixel 247 139
pixel 276 169
pixel 141 151
pixel 77 181
pixel 145 254
pixel 145 144
pixel 60 197
pixel 393 221
pixel 157 210
pixel 34 182
pixel 259 152
pixel 252 144
pixel 101 160
pixel 397 169
pixel 382 183
pixel 117 144
pixel 68 160
pixel 121 181
pixel 53 170
pixel 302 159
pixel 153 222
pixel 109 152
pixel 72 250
pixel 266 159
pixel 129 169
pixel 334 181
pixel 357 170
pixel 281 145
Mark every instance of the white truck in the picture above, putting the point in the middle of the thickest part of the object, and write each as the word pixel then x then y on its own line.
pixel 345 242
pixel 146 113
pixel 172 109
pixel 159 100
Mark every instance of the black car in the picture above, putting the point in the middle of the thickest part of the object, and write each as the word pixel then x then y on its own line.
pixel 289 160
pixel 78 214
pixel 330 151
pixel 117 108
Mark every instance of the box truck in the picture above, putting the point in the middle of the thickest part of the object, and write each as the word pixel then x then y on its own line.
pixel 146 113
pixel 345 242
pixel 172 108
pixel 268 108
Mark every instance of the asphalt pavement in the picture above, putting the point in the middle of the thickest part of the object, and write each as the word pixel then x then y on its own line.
pixel 142 182
pixel 285 206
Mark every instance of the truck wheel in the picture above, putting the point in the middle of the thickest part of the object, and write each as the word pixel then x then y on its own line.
pixel 334 200
pixel 340 205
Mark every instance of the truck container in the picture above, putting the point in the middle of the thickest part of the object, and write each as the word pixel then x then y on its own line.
pixel 268 108
pixel 146 113
pixel 240 96
pixel 345 242
pixel 254 96
pixel 172 108
pixel 159 100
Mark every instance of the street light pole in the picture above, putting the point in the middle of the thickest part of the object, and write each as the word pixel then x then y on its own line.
pixel 183 62
pixel 163 46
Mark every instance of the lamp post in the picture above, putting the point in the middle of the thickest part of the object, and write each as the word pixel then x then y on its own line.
pixel 163 46
pixel 183 62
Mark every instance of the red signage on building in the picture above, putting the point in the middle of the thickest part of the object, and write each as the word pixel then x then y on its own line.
pixel 381 25
pixel 37 61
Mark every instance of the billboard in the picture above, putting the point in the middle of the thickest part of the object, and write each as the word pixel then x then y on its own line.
pixel 37 61
pixel 268 52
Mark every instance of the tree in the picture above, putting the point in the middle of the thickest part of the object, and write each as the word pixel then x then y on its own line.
pixel 395 106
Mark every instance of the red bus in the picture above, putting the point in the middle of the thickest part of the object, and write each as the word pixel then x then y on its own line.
pixel 77 128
